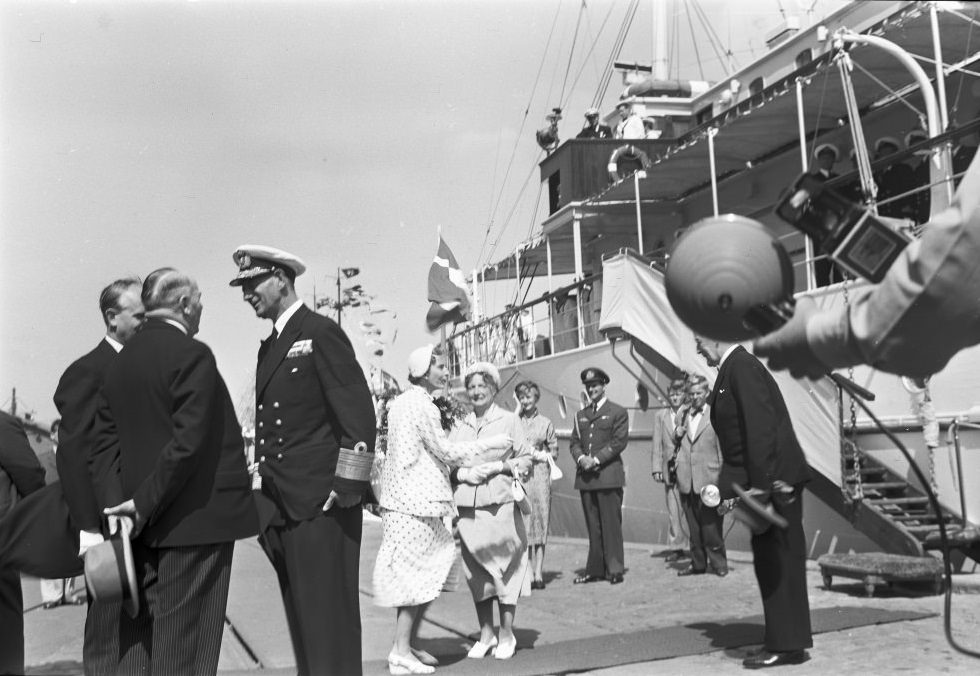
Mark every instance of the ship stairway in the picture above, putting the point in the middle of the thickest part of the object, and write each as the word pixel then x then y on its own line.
pixel 894 513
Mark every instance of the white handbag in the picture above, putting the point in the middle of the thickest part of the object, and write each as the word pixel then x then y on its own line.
pixel 556 472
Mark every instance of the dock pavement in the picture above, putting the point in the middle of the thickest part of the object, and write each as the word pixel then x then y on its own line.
pixel 655 622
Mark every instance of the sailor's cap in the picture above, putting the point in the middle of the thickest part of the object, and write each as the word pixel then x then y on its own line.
pixel 592 112
pixel 254 260
pixel 888 140
pixel 827 148
pixel 594 375
pixel 622 104
pixel 915 136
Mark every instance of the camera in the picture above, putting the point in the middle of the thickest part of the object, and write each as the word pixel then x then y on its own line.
pixel 853 237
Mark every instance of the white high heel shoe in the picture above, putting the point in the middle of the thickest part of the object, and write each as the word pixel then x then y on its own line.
pixel 480 649
pixel 400 665
pixel 505 650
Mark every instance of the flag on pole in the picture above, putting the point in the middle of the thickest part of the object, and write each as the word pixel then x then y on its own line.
pixel 447 290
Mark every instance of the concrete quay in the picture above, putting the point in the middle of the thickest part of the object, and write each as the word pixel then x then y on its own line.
pixel 653 623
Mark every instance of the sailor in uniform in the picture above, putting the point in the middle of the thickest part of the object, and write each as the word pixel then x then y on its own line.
pixel 314 440
pixel 599 436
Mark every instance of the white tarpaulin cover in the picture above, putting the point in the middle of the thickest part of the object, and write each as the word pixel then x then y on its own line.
pixel 634 300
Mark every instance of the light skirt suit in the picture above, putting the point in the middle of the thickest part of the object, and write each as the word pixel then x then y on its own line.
pixel 492 529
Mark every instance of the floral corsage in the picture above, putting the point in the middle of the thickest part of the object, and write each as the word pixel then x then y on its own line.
pixel 450 411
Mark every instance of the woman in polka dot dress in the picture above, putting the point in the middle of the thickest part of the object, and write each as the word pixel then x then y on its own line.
pixel 417 549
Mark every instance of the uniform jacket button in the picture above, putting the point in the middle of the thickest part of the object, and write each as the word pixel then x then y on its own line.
pixel 262 459
pixel 279 457
pixel 280 441
pixel 261 424
pixel 260 407
pixel 278 421
pixel 275 404
pixel 261 442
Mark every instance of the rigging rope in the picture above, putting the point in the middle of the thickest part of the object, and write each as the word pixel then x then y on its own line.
pixel 597 98
pixel 694 39
pixel 520 134
pixel 713 38
pixel 571 53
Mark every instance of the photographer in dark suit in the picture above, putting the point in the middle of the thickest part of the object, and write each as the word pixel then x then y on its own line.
pixel 599 436
pixel 167 427
pixel 760 451
pixel 311 400
pixel 20 474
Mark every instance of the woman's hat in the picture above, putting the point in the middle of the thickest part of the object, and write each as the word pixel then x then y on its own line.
pixel 110 571
pixel 420 360
pixel 485 368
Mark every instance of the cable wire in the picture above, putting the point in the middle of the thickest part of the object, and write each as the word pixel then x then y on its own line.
pixel 934 503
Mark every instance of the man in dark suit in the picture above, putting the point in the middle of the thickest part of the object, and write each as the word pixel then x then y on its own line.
pixel 48 533
pixel 20 474
pixel 599 436
pixel 167 426
pixel 592 127
pixel 760 451
pixel 311 401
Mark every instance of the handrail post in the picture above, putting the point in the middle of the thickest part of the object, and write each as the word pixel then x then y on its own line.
pixel 954 431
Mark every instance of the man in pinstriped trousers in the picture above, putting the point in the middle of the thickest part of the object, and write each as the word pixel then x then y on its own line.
pixel 167 432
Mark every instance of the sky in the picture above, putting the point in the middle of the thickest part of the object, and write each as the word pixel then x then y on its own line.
pixel 137 135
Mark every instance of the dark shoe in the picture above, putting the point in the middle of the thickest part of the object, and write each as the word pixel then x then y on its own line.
pixel 766 658
pixel 676 555
pixel 537 584
pixel 585 579
pixel 689 571
pixel 616 579
pixel 721 573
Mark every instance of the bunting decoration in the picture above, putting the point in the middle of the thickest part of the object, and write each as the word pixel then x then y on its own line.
pixel 447 290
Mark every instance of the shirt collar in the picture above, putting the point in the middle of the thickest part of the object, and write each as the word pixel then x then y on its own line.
pixel 114 344
pixel 286 316
pixel 599 404
pixel 174 322
pixel 728 353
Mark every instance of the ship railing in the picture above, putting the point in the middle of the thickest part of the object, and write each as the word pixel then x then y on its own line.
pixel 953 436
pixel 559 321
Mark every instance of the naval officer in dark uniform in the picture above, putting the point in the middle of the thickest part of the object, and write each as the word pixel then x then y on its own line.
pixel 599 436
pixel 311 401
pixel 759 450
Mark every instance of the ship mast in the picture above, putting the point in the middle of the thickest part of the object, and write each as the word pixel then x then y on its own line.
pixel 660 65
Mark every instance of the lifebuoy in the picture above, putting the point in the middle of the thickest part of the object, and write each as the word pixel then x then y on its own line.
pixel 628 152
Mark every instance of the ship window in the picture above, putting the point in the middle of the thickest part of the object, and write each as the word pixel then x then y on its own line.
pixel 757 85
pixel 804 57
pixel 703 115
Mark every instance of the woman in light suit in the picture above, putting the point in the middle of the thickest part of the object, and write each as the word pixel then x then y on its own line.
pixel 491 526
pixel 417 549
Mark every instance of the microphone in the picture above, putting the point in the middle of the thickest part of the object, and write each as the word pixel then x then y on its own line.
pixel 746 508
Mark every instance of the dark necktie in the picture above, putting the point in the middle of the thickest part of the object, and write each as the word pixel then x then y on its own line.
pixel 273 336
